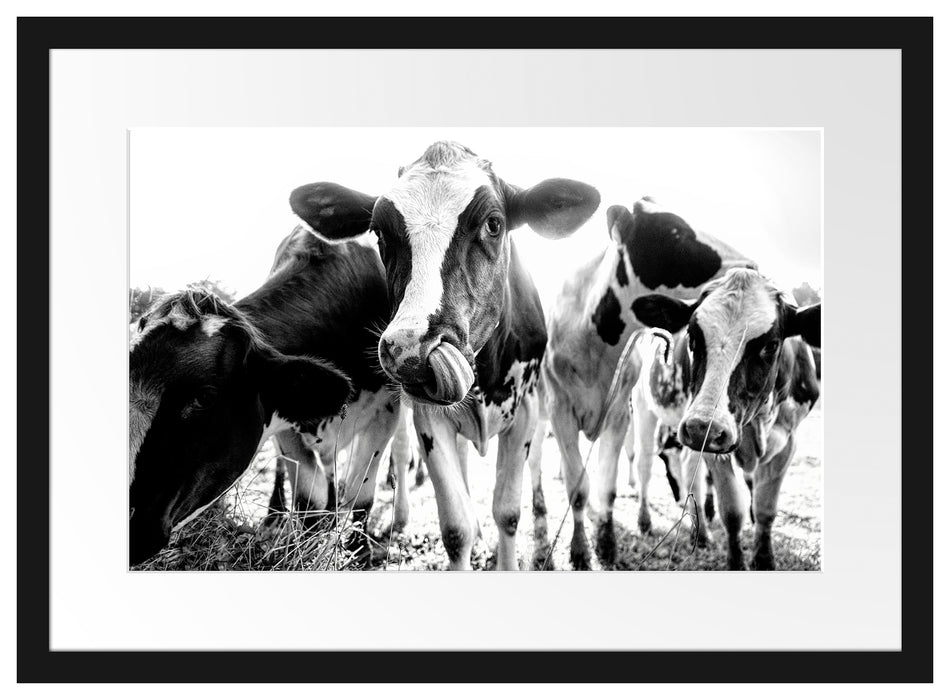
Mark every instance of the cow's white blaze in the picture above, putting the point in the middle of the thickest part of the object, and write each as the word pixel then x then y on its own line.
pixel 212 324
pixel 739 309
pixel 431 199
pixel 143 405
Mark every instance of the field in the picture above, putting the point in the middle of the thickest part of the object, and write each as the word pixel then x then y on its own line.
pixel 233 535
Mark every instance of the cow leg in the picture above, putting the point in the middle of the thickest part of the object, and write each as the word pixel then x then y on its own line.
pixel 308 481
pixel 421 472
pixel 730 507
pixel 710 505
pixel 462 447
pixel 457 519
pixel 325 453
pixel 400 460
pixel 538 507
pixel 575 480
pixel 513 446
pixel 630 448
pixel 694 493
pixel 366 438
pixel 674 473
pixel 608 455
pixel 462 444
pixel 750 483
pixel 646 422
pixel 768 481
pixel 278 503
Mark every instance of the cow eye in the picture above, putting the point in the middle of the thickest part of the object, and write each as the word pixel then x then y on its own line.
pixel 203 398
pixel 493 225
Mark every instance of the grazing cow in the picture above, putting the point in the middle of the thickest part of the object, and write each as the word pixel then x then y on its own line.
pixel 751 382
pixel 210 381
pixel 657 404
pixel 467 336
pixel 650 249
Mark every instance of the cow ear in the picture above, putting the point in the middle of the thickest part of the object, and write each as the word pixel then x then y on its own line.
pixel 661 311
pixel 553 208
pixel 332 210
pixel 619 223
pixel 805 322
pixel 301 390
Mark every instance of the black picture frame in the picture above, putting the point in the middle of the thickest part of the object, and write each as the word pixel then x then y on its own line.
pixel 913 37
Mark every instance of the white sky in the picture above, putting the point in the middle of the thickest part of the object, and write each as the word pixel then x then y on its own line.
pixel 213 203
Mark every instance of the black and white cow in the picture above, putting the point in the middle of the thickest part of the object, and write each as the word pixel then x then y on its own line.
pixel 466 340
pixel 210 381
pixel 657 404
pixel 751 382
pixel 650 249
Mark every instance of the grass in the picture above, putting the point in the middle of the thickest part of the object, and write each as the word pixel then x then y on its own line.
pixel 240 533
pixel 234 536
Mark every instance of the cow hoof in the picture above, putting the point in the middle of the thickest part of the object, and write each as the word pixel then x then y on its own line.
pixel 700 540
pixel 763 563
pixel 395 526
pixel 580 552
pixel 737 565
pixel 543 559
pixel 645 523
pixel 606 542
pixel 580 561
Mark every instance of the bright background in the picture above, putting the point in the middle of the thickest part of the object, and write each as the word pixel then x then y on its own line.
pixel 212 203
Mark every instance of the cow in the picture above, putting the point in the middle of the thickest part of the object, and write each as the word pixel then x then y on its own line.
pixel 657 403
pixel 211 381
pixel 650 249
pixel 467 335
pixel 752 381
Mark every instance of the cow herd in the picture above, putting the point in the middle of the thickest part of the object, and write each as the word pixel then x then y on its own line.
pixel 416 301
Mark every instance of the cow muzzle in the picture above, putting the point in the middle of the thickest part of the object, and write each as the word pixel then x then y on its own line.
pixel 438 374
pixel 707 434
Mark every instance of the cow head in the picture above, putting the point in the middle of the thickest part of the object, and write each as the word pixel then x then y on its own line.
pixel 444 237
pixel 736 332
pixel 204 391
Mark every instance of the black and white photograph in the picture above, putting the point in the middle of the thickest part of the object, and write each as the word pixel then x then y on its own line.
pixel 314 311
pixel 510 349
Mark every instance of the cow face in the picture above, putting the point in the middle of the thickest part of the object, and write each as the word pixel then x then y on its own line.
pixel 443 232
pixel 204 391
pixel 736 331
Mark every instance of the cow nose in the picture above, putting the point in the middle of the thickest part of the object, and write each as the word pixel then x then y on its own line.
pixel 706 435
pixel 402 355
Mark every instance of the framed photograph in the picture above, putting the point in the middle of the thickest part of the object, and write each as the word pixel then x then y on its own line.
pixel 339 306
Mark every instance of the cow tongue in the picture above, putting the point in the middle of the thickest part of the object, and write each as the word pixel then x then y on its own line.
pixel 452 376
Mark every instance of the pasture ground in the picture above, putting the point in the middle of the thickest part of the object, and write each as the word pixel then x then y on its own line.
pixel 232 535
